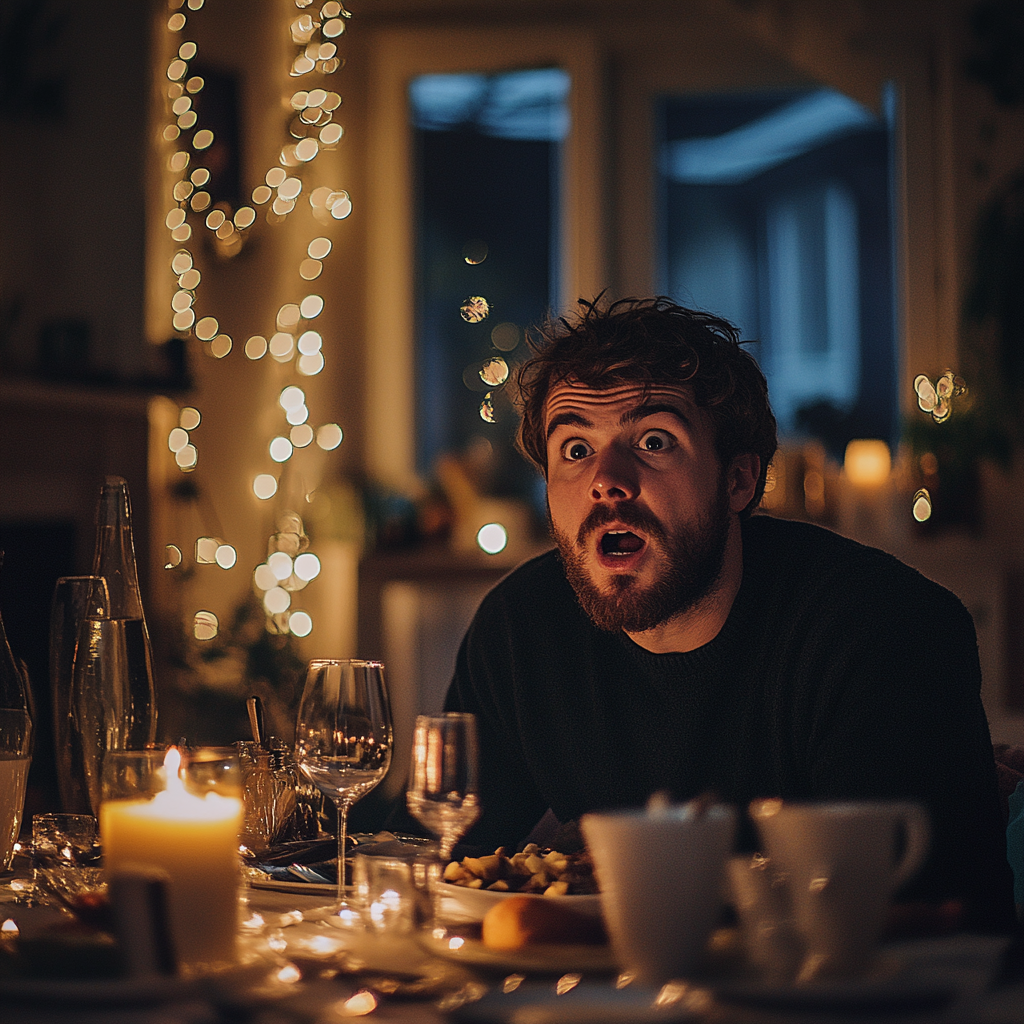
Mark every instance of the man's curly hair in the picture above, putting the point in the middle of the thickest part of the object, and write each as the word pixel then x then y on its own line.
pixel 651 342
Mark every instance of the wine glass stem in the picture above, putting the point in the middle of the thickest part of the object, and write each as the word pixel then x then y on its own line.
pixel 342 842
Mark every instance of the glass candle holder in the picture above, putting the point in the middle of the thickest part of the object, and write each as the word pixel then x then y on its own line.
pixel 180 813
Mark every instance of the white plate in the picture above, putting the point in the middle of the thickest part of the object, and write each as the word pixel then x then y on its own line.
pixel 473 904
pixel 545 958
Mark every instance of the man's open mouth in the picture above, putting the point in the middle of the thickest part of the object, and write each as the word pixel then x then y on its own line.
pixel 620 542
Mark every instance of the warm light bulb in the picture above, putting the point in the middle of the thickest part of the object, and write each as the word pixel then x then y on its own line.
pixel 867 463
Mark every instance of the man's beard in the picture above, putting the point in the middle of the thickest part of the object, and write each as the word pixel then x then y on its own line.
pixel 692 566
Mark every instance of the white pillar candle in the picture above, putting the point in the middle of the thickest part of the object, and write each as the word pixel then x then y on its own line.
pixel 195 841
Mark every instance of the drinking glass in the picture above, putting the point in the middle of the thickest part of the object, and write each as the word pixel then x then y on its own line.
pixel 443 793
pixel 111 695
pixel 343 739
pixel 15 758
pixel 75 599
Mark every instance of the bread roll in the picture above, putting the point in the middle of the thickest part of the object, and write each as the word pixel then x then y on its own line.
pixel 519 921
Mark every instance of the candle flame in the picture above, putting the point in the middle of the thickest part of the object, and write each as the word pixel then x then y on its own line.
pixel 172 769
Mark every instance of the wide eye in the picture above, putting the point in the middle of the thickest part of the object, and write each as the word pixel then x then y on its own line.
pixel 656 441
pixel 575 450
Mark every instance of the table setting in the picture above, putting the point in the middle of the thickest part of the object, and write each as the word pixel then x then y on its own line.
pixel 187 884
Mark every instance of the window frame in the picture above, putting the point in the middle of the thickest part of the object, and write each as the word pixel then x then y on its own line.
pixel 396 57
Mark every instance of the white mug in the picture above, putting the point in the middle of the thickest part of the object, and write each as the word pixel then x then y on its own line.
pixel 660 874
pixel 843 863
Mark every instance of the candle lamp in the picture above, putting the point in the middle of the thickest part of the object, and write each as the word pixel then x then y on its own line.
pixel 180 814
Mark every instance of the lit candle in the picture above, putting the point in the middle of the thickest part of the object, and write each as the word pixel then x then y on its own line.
pixel 195 841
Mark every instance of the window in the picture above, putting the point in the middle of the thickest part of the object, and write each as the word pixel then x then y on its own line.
pixel 777 216
pixel 487 172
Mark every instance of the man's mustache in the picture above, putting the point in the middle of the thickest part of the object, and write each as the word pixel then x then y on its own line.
pixel 626 514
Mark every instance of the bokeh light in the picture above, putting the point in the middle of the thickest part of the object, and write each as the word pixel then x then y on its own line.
pixel 922 506
pixel 186 457
pixel 307 566
pixel 205 625
pixel 177 439
pixel 276 600
pixel 256 347
pixel 300 623
pixel 263 576
pixel 301 435
pixel 492 538
pixel 206 550
pixel 280 449
pixel 264 486
pixel 329 436
pixel 280 564
pixel 189 418
pixel 225 556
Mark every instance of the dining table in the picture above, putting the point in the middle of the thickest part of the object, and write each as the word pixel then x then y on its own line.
pixel 295 966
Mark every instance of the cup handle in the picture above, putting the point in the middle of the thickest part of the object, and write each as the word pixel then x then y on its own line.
pixel 918 835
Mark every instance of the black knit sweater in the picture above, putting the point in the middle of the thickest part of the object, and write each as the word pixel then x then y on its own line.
pixel 840 673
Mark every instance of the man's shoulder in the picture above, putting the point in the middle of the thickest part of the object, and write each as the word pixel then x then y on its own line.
pixel 803 554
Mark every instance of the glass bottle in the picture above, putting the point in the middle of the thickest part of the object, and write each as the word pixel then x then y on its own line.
pixel 15 746
pixel 113 696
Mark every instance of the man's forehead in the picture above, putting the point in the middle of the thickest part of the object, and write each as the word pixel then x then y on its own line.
pixel 573 397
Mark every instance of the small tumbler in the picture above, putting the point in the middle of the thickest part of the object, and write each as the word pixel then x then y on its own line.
pixel 65 857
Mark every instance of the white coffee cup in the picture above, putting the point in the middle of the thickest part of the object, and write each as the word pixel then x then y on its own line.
pixel 843 862
pixel 660 874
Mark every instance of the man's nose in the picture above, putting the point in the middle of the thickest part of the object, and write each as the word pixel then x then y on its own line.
pixel 614 477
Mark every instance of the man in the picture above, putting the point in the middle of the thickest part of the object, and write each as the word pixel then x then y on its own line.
pixel 676 642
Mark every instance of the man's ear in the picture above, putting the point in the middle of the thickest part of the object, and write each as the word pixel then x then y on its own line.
pixel 741 480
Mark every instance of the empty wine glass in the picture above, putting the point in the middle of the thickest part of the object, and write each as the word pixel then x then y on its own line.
pixel 443 793
pixel 343 738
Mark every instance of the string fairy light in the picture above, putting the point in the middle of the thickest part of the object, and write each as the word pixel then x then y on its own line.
pixel 193 216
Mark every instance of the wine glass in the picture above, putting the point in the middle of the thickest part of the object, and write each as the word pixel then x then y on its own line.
pixel 343 738
pixel 443 793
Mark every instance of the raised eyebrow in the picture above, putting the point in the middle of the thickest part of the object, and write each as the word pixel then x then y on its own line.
pixel 640 412
pixel 567 419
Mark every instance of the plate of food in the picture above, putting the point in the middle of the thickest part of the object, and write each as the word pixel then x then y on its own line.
pixel 474 885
